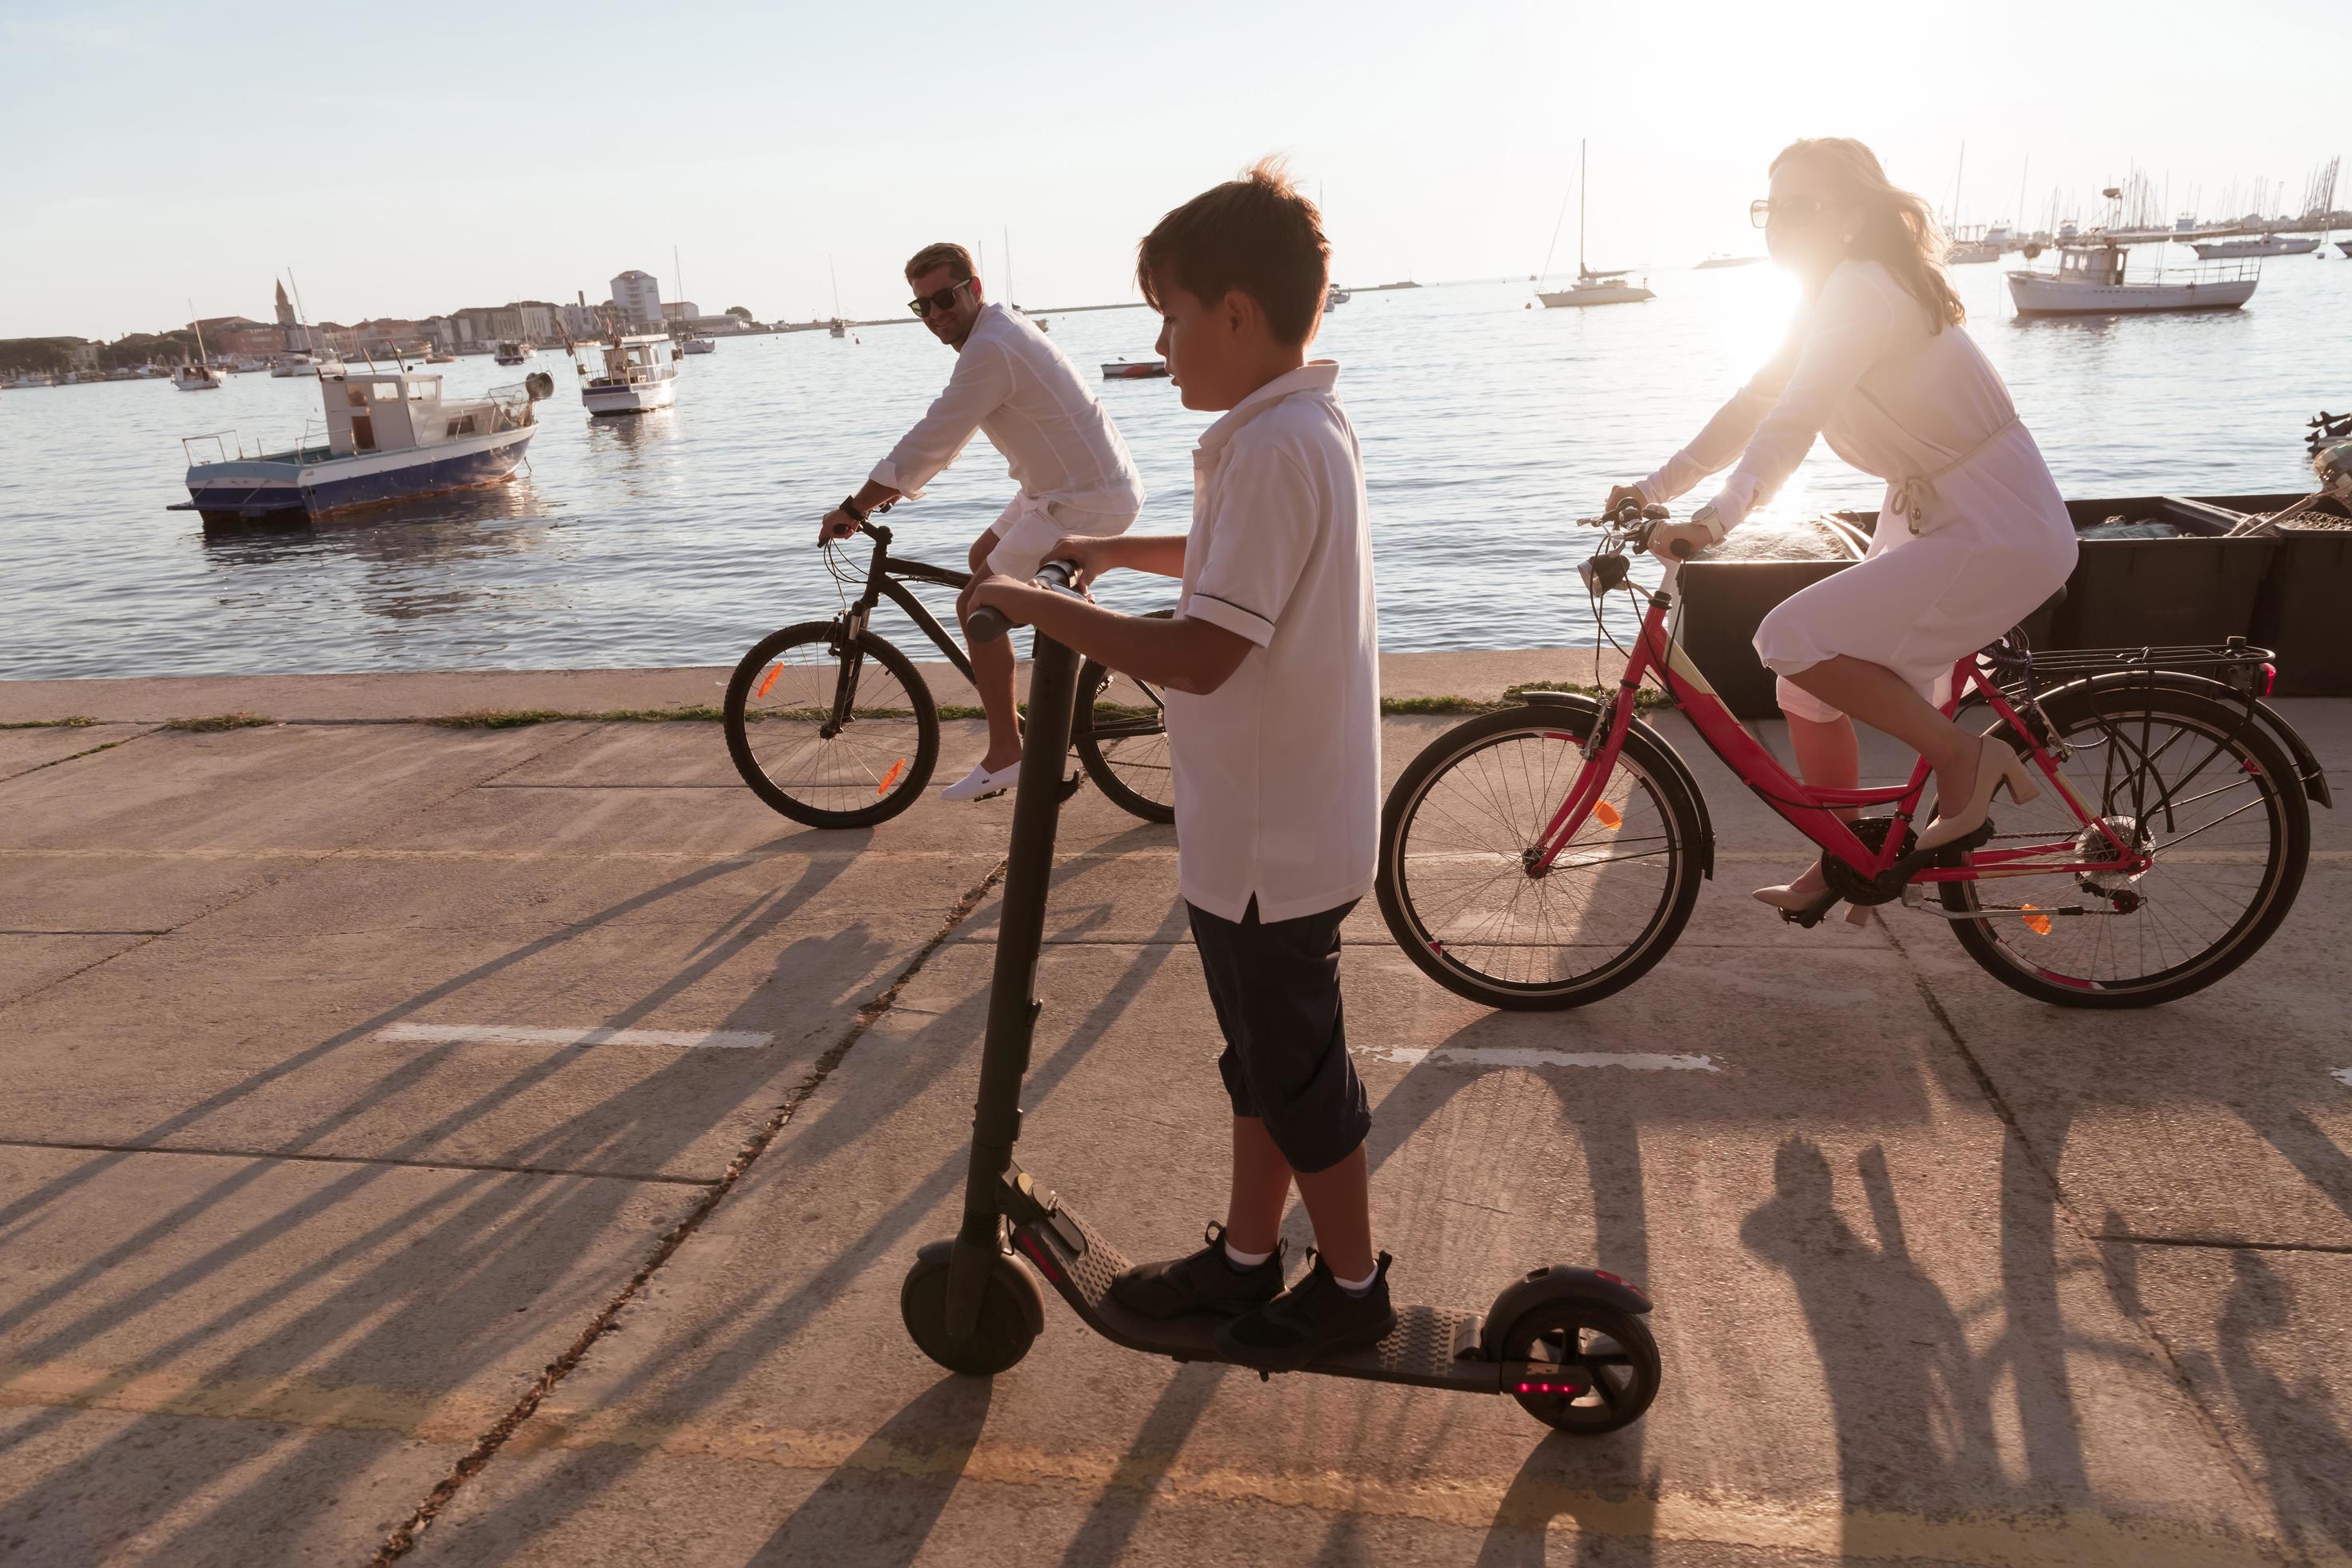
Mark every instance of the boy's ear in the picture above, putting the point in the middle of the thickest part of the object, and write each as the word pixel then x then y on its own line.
pixel 1239 313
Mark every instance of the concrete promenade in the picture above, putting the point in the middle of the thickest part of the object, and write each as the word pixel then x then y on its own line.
pixel 504 1146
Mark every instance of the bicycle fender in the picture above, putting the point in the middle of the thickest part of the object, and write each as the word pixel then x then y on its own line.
pixel 2311 775
pixel 1590 707
pixel 1555 1282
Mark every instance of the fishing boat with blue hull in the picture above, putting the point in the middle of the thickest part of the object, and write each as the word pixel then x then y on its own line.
pixel 386 435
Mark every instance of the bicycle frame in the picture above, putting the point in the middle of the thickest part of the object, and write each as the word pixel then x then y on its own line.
pixel 1813 812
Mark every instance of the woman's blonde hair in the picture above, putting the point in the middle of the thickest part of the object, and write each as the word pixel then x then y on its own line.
pixel 1898 231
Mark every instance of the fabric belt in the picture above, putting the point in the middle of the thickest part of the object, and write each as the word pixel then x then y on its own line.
pixel 1908 496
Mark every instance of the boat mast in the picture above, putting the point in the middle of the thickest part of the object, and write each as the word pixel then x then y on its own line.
pixel 199 326
pixel 837 286
pixel 1582 273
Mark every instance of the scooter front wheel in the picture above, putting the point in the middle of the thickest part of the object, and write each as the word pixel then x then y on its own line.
pixel 1582 1366
pixel 1012 1314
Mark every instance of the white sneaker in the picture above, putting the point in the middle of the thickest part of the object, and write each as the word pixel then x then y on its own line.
pixel 981 783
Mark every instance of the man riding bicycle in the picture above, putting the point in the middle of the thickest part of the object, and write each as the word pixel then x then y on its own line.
pixel 1011 385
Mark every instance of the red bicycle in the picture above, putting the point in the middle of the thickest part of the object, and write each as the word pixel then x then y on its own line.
pixel 1549 855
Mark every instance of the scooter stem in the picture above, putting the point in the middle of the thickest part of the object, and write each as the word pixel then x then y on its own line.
pixel 1013 991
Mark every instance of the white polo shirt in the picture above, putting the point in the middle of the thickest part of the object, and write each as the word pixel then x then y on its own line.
pixel 1278 772
pixel 1011 385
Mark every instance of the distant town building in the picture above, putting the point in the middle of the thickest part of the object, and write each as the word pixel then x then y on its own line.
pixel 637 296
pixel 83 357
pixel 679 310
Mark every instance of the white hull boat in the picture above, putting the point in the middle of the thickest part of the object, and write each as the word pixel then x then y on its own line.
pixel 2268 245
pixel 197 378
pixel 697 345
pixel 294 364
pixel 640 374
pixel 1969 252
pixel 2090 282
pixel 1595 289
pixel 511 352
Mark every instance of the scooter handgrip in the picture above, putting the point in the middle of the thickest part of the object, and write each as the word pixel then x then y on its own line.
pixel 987 624
pixel 1680 548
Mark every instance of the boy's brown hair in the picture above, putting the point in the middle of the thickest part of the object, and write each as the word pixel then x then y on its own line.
pixel 946 253
pixel 1256 234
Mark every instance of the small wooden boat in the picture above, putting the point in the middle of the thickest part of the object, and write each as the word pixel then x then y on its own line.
pixel 513 352
pixel 1133 369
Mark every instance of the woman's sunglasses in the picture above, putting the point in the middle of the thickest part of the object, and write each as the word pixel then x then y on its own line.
pixel 943 299
pixel 1793 212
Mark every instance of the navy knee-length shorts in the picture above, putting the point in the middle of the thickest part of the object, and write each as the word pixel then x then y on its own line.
pixel 1276 988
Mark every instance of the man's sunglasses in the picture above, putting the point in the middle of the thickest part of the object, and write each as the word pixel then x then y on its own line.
pixel 1794 212
pixel 943 299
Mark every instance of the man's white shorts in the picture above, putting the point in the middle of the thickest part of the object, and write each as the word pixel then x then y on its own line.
pixel 1029 527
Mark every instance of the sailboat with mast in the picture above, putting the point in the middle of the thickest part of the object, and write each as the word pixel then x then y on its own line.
pixel 1591 288
pixel 840 328
pixel 198 375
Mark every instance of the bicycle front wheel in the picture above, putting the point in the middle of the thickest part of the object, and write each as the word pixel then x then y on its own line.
pixel 833 734
pixel 2194 784
pixel 1457 880
pixel 1122 739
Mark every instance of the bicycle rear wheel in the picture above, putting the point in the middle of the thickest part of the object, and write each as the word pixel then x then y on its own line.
pixel 2191 778
pixel 1456 878
pixel 865 767
pixel 1122 739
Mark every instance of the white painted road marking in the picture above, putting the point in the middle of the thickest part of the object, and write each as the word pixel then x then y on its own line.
pixel 506 1034
pixel 1528 1056
pixel 2343 1076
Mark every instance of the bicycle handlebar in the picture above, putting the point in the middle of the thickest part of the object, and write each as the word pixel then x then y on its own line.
pixel 987 624
pixel 1634 523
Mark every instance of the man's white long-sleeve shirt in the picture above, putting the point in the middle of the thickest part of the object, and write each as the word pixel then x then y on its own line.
pixel 1011 385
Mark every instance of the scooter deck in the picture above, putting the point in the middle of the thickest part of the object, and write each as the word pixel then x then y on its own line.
pixel 1430 1346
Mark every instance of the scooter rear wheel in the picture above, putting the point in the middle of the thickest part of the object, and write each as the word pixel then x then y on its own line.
pixel 1612 1351
pixel 1011 1313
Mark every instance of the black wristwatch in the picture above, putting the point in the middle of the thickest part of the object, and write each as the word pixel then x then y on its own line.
pixel 849 506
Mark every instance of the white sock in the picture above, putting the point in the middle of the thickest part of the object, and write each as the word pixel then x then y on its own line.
pixel 1241 1259
pixel 1357 1287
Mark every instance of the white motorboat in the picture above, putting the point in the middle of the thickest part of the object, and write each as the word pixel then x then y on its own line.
pixel 389 435
pixel 2090 281
pixel 2265 244
pixel 1335 298
pixel 513 352
pixel 695 343
pixel 294 363
pixel 1969 252
pixel 1590 288
pixel 26 382
pixel 640 374
pixel 839 329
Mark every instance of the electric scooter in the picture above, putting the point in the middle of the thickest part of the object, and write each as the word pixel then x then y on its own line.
pixel 1568 1342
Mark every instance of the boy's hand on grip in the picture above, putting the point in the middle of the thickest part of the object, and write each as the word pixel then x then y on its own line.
pixel 1086 552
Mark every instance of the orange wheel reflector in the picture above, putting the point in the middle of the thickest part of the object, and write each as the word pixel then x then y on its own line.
pixel 889 778
pixel 771 681
pixel 1606 814
pixel 2038 923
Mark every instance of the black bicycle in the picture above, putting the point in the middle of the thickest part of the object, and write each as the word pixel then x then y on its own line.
pixel 833 726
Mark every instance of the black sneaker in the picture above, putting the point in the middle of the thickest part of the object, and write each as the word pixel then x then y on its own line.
pixel 1207 1281
pixel 1311 1319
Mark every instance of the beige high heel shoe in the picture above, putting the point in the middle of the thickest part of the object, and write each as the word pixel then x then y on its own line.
pixel 1996 765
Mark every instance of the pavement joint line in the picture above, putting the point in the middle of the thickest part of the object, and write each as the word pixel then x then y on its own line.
pixel 15 931
pixel 77 756
pixel 404 1537
pixel 276 1156
pixel 312 858
pixel 2229 1244
pixel 517 1035
pixel 2118 1289
pixel 1534 1057
pixel 1712 1516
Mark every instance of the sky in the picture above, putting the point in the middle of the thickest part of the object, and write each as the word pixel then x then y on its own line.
pixel 475 154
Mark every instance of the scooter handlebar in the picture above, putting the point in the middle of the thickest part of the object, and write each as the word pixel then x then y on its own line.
pixel 987 624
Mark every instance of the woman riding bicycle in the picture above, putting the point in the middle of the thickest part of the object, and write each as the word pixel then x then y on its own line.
pixel 1972 535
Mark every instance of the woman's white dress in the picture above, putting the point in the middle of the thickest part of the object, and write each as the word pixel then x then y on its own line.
pixel 1972 535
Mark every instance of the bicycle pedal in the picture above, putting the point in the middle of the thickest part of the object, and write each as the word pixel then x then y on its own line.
pixel 1857 914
